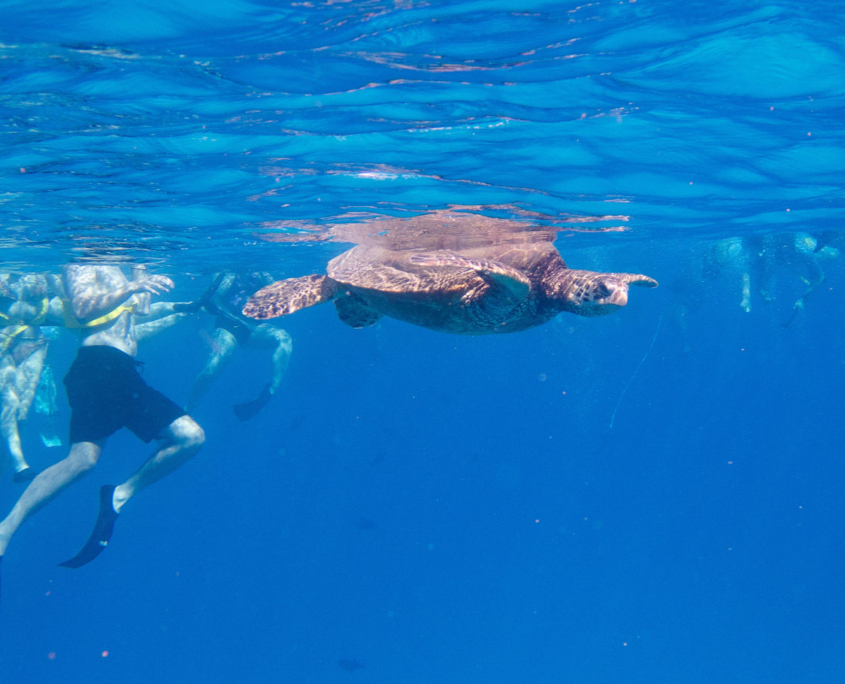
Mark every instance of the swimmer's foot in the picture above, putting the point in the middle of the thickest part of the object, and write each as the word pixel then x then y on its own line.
pixel 102 531
pixel 249 409
pixel 24 475
pixel 50 439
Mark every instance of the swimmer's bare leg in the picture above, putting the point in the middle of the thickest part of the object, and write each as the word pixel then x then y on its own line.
pixel 9 410
pixel 28 376
pixel 814 278
pixel 48 484
pixel 817 276
pixel 144 331
pixel 745 304
pixel 282 344
pixel 9 427
pixel 223 343
pixel 267 336
pixel 182 439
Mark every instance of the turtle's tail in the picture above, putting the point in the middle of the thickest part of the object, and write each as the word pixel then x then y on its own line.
pixel 286 296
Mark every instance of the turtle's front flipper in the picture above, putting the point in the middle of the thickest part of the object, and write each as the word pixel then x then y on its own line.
pixel 354 312
pixel 286 296
pixel 496 273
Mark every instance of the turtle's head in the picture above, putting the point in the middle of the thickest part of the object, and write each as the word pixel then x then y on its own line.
pixel 587 293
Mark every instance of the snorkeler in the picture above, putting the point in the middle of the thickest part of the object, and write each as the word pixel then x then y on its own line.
pixel 762 261
pixel 224 300
pixel 106 393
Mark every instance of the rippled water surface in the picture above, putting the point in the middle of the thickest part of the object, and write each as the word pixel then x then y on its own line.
pixel 192 128
pixel 649 497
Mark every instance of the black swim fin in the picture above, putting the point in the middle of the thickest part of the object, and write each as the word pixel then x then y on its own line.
pixel 197 304
pixel 99 538
pixel 24 475
pixel 249 409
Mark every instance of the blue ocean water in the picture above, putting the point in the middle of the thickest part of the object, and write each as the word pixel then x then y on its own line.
pixel 653 496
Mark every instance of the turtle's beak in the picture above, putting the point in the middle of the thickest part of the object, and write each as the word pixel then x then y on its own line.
pixel 618 285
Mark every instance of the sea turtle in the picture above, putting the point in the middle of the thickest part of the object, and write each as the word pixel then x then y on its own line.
pixel 506 283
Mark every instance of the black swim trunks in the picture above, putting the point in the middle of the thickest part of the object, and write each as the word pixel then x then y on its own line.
pixel 239 330
pixel 106 393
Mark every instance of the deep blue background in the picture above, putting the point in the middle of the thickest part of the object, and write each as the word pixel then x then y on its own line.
pixel 438 508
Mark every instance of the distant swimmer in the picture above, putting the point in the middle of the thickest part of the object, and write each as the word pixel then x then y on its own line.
pixel 224 300
pixel 27 302
pixel 774 262
pixel 106 393
pixel 809 252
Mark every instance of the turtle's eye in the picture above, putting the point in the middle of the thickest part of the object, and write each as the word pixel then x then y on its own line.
pixel 602 289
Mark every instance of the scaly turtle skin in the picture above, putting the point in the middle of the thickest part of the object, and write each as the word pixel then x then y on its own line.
pixel 494 288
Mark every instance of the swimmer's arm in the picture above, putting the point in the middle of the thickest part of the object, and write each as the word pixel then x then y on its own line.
pixel 150 327
pixel 87 301
pixel 160 310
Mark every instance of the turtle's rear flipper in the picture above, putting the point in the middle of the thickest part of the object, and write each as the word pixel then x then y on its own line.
pixel 286 296
pixel 355 312
pixel 494 272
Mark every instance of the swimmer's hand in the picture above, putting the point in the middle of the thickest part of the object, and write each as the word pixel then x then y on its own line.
pixel 156 284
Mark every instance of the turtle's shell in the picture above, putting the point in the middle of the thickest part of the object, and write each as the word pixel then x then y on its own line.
pixel 391 272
